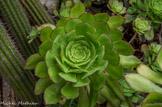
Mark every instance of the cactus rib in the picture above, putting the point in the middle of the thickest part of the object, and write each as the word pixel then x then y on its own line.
pixel 37 11
pixel 19 24
pixel 11 64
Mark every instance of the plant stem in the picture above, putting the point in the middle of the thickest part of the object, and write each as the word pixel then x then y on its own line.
pixel 134 36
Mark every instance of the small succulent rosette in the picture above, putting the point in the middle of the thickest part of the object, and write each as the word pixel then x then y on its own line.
pixel 75 58
pixel 142 26
pixel 116 7
pixel 156 7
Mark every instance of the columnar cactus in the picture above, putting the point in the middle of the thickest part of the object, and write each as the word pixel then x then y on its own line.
pixel 76 54
pixel 11 68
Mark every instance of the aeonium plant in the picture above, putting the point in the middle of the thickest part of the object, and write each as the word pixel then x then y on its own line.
pixel 116 7
pixel 74 59
pixel 143 27
pixel 156 7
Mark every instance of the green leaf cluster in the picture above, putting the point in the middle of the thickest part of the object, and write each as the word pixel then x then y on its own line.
pixel 116 7
pixel 73 57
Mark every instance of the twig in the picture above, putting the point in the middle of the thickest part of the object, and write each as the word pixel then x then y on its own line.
pixel 134 36
pixel 160 34
pixel 71 103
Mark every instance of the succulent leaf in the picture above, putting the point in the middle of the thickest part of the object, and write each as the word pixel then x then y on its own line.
pixel 78 51
pixel 41 70
pixel 69 91
pixel 115 72
pixel 159 58
pixel 41 85
pixel 33 60
pixel 146 72
pixel 121 46
pixel 140 83
pixel 115 21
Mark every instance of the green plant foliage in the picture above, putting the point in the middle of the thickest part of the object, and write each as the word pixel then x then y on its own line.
pixel 153 100
pixel 18 23
pixel 129 61
pixel 132 94
pixel 155 6
pixel 11 68
pixel 116 7
pixel 65 9
pixel 145 80
pixel 151 51
pixel 141 84
pixel 77 54
pixel 141 26
pixel 150 9
pixel 146 72
pixel 159 58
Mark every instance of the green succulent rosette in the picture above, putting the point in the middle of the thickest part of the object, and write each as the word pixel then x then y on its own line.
pixel 116 7
pixel 76 55
pixel 141 25
pixel 156 7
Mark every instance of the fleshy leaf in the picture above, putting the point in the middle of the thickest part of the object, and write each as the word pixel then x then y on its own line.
pixel 68 76
pixel 100 52
pixel 152 105
pixel 81 82
pixel 159 58
pixel 53 73
pixel 45 34
pixel 115 87
pixel 97 81
pixel 83 28
pixel 148 73
pixel 93 96
pixel 90 71
pixel 50 55
pixel 102 17
pixel 62 21
pixel 107 43
pixel 129 61
pixel 52 94
pixel 57 31
pixel 115 35
pixel 83 98
pixel 113 57
pixel 44 47
pixel 77 10
pixel 71 24
pixel 41 70
pixel 140 83
pixel 115 21
pixel 33 60
pixel 115 72
pixel 153 98
pixel 41 85
pixel 69 91
pixel 109 95
pixel 64 12
pixel 101 28
pixel 123 48
pixel 89 18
